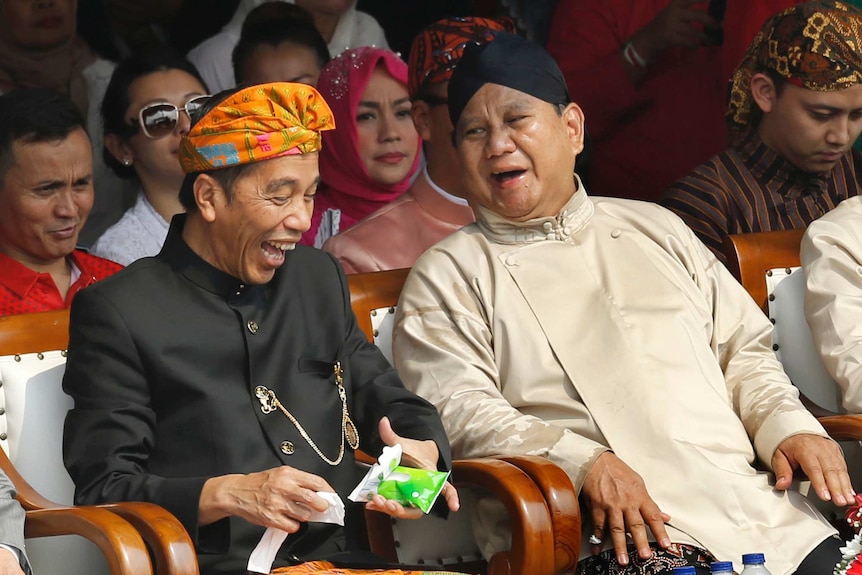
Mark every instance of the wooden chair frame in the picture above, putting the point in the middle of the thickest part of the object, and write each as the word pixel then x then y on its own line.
pixel 514 480
pixel 119 529
pixel 749 257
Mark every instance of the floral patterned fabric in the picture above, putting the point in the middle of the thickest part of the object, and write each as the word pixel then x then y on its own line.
pixel 255 124
pixel 661 562
pixel 327 568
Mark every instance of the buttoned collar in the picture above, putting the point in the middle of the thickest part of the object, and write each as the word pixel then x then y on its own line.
pixel 775 173
pixel 560 228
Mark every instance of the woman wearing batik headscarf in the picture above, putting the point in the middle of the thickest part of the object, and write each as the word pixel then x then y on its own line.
pixel 371 156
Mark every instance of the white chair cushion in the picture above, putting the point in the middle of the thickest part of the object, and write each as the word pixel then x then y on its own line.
pixel 792 336
pixel 383 322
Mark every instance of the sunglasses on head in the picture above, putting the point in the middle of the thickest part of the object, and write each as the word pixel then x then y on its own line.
pixel 160 119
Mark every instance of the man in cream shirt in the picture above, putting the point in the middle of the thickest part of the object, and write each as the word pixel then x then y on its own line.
pixel 601 334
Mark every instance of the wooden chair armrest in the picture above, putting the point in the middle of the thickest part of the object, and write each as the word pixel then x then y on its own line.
pixel 563 505
pixel 843 427
pixel 532 532
pixel 121 543
pixel 172 548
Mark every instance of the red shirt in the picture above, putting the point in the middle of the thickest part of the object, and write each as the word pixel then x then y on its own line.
pixel 23 290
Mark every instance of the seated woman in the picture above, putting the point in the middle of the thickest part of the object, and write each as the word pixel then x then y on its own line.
pixel 371 156
pixel 145 113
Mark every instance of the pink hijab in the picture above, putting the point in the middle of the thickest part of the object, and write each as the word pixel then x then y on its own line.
pixel 345 183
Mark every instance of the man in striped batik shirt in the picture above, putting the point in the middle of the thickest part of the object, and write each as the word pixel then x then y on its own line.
pixel 795 110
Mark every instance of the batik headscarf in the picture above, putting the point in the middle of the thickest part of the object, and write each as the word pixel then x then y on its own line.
pixel 438 48
pixel 255 124
pixel 345 183
pixel 815 45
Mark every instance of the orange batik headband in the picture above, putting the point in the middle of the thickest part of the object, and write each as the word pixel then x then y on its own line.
pixel 255 124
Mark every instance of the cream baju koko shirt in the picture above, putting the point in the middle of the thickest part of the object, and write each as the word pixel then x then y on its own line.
pixel 832 257
pixel 611 326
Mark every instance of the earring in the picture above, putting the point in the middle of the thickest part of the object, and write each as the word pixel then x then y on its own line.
pixel 127 162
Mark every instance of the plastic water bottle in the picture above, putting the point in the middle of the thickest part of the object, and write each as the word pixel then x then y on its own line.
pixel 753 564
pixel 721 568
pixel 684 571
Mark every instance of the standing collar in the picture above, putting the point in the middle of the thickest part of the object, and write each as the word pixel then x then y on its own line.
pixel 561 227
pixel 774 172
pixel 177 254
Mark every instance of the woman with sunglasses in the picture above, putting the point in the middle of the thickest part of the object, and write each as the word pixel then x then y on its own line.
pixel 371 156
pixel 145 112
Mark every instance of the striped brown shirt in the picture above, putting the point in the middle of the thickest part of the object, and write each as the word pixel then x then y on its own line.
pixel 753 189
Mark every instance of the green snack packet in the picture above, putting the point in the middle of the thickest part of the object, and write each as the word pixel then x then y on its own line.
pixel 413 487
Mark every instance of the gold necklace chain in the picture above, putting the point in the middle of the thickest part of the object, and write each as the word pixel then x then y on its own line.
pixel 269 402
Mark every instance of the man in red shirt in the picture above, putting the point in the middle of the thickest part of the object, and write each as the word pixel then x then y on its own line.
pixel 46 192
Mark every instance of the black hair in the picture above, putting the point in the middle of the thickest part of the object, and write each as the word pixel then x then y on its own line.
pixel 275 32
pixel 117 100
pixel 226 177
pixel 33 115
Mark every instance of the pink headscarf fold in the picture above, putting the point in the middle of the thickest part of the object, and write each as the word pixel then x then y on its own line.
pixel 345 183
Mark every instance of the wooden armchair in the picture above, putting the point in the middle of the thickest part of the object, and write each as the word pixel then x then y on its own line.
pixel 757 260
pixel 542 504
pixel 32 361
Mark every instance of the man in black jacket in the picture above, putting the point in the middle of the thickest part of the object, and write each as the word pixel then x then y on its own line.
pixel 226 379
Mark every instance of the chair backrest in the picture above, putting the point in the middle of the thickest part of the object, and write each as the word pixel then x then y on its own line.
pixel 34 406
pixel 767 265
pixel 373 297
pixel 751 256
pixel 792 341
pixel 429 540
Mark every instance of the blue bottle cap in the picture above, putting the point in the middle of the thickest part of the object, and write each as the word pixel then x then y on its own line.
pixel 752 558
pixel 721 567
pixel 684 571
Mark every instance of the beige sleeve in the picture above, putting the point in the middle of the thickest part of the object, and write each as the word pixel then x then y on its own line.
pixel 760 392
pixel 443 349
pixel 832 259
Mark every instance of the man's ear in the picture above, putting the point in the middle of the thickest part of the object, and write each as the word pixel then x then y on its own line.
pixel 573 117
pixel 421 113
pixel 763 91
pixel 208 196
pixel 119 149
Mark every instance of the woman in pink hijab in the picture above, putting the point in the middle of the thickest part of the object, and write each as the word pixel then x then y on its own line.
pixel 371 156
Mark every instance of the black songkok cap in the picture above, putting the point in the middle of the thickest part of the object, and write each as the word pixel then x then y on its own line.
pixel 510 61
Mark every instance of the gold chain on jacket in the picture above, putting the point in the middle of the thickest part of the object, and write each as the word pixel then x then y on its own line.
pixel 269 402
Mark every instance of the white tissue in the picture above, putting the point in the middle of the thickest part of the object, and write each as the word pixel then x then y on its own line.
pixel 261 559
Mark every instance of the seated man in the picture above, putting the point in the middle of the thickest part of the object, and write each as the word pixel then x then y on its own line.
pixel 832 257
pixel 792 120
pixel 434 207
pixel 46 192
pixel 600 333
pixel 226 379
